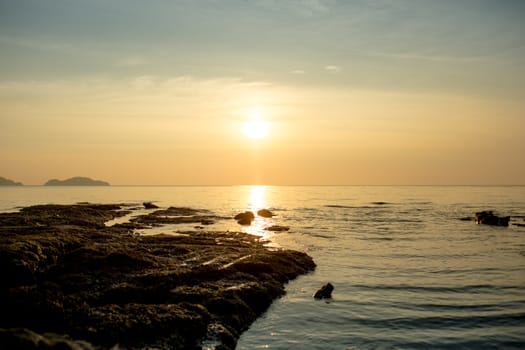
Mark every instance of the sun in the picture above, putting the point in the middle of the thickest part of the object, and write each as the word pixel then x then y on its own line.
pixel 255 128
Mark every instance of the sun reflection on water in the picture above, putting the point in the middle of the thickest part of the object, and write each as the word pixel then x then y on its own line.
pixel 257 201
pixel 257 197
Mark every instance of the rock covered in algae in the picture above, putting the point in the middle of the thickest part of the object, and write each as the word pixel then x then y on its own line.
pixel 68 279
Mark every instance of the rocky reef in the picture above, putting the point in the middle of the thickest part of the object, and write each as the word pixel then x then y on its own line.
pixel 68 281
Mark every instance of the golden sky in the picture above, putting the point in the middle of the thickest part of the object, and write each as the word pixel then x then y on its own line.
pixel 344 92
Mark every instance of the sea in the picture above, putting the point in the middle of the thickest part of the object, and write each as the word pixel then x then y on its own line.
pixel 410 267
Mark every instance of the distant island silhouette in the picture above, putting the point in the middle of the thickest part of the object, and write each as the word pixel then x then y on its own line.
pixel 9 182
pixel 77 181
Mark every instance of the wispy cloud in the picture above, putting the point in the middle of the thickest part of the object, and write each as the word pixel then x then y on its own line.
pixel 332 69
pixel 428 57
pixel 41 45
pixel 303 8
pixel 132 61
pixel 298 72
pixel 135 97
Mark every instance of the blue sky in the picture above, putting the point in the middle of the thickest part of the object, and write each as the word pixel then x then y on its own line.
pixel 468 44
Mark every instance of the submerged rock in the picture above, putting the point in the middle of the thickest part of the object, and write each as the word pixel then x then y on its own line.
pixel 277 228
pixel 68 279
pixel 488 218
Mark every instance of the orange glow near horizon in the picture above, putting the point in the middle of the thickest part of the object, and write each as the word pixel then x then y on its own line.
pixel 187 104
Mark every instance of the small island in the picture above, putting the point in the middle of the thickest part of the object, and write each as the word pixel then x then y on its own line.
pixel 77 181
pixel 9 182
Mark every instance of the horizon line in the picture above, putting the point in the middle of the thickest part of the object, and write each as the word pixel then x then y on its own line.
pixel 276 185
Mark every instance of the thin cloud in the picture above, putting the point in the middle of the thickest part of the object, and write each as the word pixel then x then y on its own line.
pixel 132 61
pixel 298 72
pixel 303 8
pixel 332 69
pixel 428 57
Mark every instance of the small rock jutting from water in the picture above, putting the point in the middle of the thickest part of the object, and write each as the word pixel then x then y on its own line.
pixel 325 292
pixel 487 217
pixel 265 213
pixel 245 218
pixel 149 205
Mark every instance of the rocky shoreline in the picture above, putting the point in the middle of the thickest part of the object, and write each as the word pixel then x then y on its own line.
pixel 68 281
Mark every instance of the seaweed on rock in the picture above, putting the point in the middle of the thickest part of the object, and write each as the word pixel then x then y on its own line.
pixel 68 279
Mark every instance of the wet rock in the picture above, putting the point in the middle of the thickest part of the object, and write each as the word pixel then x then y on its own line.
pixel 244 218
pixel 246 214
pixel 67 277
pixel 488 218
pixel 324 292
pixel 150 205
pixel 22 338
pixel 176 216
pixel 265 213
pixel 244 221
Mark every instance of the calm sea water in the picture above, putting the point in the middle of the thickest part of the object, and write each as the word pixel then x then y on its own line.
pixel 408 273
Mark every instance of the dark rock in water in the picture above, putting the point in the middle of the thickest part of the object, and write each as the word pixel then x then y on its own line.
pixel 67 281
pixel 277 228
pixel 324 292
pixel 265 213
pixel 246 214
pixel 245 221
pixel 488 218
pixel 149 205
pixel 244 218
